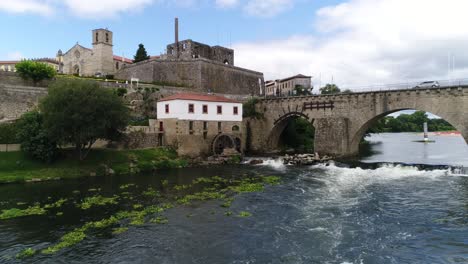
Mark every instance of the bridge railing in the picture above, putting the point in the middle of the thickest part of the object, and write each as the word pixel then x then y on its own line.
pixel 387 87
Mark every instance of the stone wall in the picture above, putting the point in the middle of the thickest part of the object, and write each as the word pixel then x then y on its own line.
pixel 200 75
pixel 15 100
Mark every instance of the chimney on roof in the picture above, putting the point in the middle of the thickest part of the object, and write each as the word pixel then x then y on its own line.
pixel 177 36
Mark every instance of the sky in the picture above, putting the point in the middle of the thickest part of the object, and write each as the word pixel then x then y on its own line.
pixel 352 43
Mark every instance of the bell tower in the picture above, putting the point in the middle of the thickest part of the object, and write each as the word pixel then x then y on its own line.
pixel 103 55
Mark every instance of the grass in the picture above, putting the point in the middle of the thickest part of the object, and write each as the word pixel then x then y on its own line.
pixel 17 167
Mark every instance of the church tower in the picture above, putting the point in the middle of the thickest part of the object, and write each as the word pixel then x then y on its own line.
pixel 103 55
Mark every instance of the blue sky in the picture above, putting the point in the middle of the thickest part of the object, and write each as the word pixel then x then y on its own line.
pixel 352 42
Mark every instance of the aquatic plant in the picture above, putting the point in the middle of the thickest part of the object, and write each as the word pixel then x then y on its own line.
pixel 57 204
pixel 228 213
pixel 137 206
pixel 182 187
pixel 97 201
pixel 227 203
pixel 26 253
pixel 119 230
pixel 59 214
pixel 151 192
pixel 159 220
pixel 15 212
pixel 69 239
pixel 272 180
pixel 244 214
pixel 247 187
pixel 126 186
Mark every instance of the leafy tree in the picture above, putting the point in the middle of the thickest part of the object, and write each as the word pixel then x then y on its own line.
pixel 330 89
pixel 299 134
pixel 79 112
pixel 249 109
pixel 410 123
pixel 35 71
pixel 35 141
pixel 347 91
pixel 141 54
pixel 300 90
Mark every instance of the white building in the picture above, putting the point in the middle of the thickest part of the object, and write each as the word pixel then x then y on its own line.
pixel 287 86
pixel 199 107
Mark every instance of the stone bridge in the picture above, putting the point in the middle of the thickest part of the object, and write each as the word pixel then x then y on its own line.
pixel 341 120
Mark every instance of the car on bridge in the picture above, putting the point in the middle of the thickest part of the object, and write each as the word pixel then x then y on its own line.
pixel 428 84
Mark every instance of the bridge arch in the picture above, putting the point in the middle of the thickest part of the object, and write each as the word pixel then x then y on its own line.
pixel 363 127
pixel 280 125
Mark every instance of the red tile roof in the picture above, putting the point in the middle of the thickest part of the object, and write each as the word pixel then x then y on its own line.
pixel 9 62
pixel 198 97
pixel 126 60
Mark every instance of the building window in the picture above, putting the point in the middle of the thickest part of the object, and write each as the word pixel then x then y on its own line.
pixel 167 108
pixel 191 127
pixel 191 108
pixel 235 129
pixel 205 109
pixel 117 65
pixel 219 127
pixel 97 37
pixel 220 109
pixel 236 110
pixel 107 37
pixel 205 135
pixel 205 125
pixel 161 126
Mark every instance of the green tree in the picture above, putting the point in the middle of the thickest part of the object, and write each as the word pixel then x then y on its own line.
pixel 299 134
pixel 35 71
pixel 35 141
pixel 79 112
pixel 249 109
pixel 300 90
pixel 330 89
pixel 141 54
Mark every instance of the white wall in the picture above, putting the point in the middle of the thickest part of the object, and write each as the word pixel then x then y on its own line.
pixel 179 109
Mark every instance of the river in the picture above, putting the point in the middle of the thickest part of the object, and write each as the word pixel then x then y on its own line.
pixel 375 213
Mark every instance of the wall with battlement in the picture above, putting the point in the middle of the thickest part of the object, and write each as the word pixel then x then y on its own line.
pixel 200 74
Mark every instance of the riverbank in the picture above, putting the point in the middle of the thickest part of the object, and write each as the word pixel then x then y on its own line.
pixel 16 167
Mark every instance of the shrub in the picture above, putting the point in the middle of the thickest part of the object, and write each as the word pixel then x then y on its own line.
pixel 249 109
pixel 35 141
pixel 8 133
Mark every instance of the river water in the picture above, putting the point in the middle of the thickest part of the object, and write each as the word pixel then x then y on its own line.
pixel 375 213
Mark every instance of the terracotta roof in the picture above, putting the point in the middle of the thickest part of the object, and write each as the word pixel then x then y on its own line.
pixel 9 62
pixel 198 97
pixel 127 60
pixel 295 76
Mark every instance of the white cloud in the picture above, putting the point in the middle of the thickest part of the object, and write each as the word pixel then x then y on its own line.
pixel 104 8
pixel 370 41
pixel 267 8
pixel 226 3
pixel 16 55
pixel 26 6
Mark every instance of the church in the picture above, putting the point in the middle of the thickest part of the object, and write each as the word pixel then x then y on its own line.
pixel 98 61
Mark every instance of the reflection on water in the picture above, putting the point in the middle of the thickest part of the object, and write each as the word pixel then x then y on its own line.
pixel 401 147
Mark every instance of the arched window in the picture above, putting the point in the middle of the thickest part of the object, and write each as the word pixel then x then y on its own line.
pixel 235 129
pixel 226 62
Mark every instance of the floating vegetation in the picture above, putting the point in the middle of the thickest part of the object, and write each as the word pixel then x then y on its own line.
pixel 26 253
pixel 244 214
pixel 182 187
pixel 126 186
pixel 21 203
pixel 228 213
pixel 57 204
pixel 119 230
pixel 227 203
pixel 151 192
pixel 67 240
pixel 214 188
pixel 76 192
pixel 97 201
pixel 15 212
pixel 159 220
